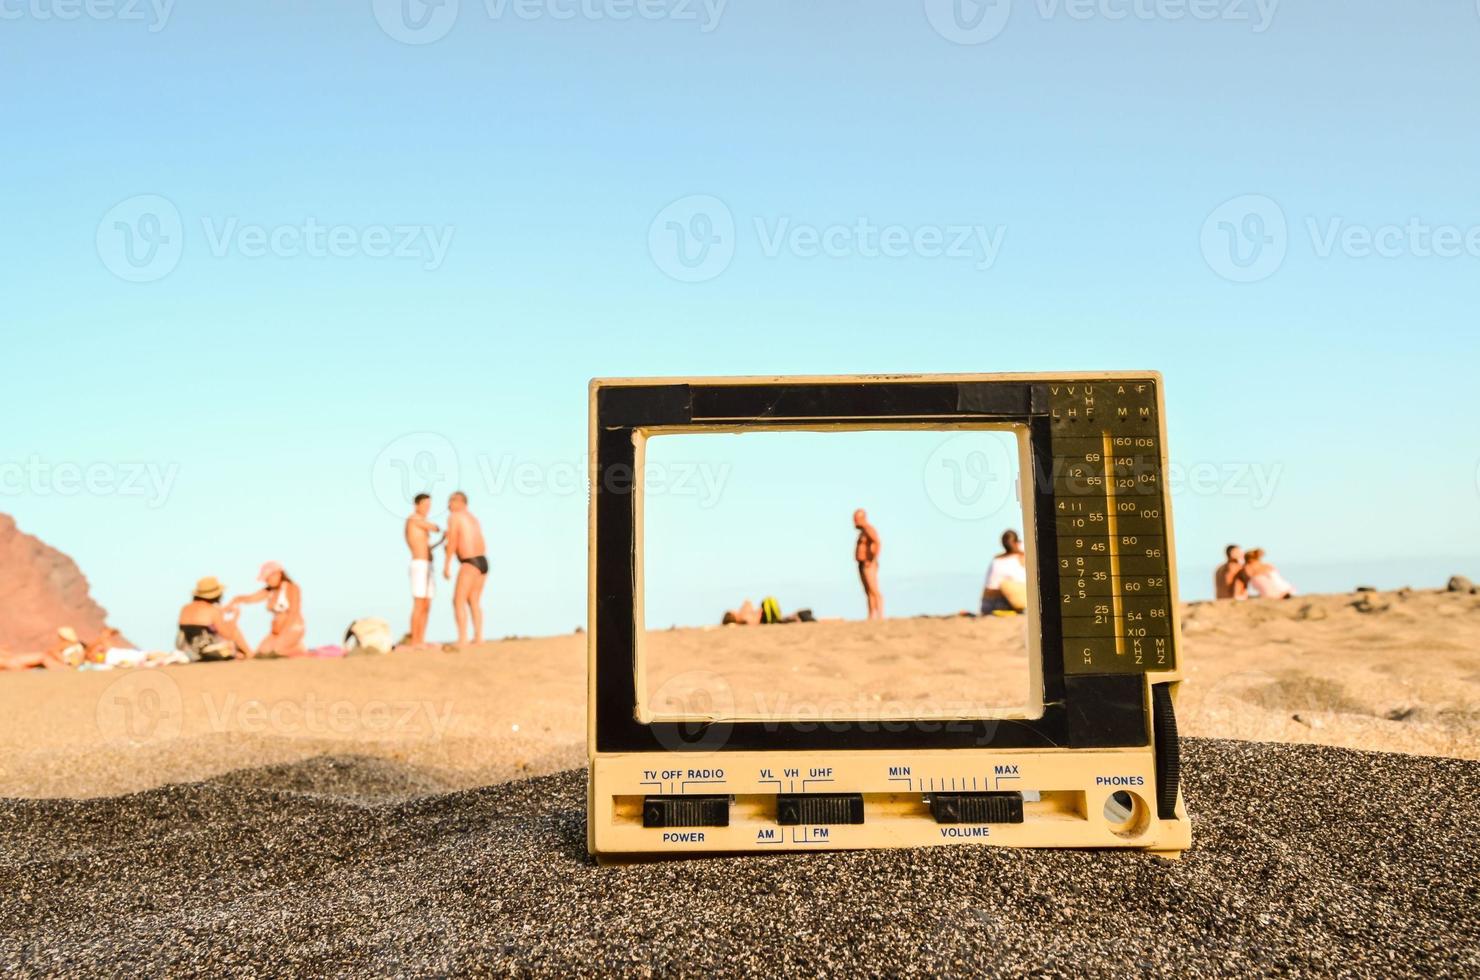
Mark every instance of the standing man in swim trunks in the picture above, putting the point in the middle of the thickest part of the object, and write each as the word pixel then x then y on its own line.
pixel 465 543
pixel 866 553
pixel 418 538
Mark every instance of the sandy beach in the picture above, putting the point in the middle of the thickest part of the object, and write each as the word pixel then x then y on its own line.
pixel 1391 672
pixel 424 813
pixel 1309 860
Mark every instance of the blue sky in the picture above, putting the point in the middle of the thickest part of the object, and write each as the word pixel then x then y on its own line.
pixel 272 253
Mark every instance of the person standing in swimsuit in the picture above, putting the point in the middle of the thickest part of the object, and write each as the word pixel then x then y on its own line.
pixel 418 538
pixel 866 553
pixel 465 543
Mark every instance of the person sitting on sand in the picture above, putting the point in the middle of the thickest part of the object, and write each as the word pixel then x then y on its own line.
pixel 285 601
pixel 1264 579
pixel 1230 579
pixel 1006 589
pixel 207 632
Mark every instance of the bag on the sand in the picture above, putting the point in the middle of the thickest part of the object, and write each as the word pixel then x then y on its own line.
pixel 369 636
pixel 204 644
pixel 770 610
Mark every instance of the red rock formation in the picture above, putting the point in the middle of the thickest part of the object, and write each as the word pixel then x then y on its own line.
pixel 41 589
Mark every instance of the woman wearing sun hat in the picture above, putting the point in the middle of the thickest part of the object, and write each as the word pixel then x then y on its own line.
pixel 285 602
pixel 206 633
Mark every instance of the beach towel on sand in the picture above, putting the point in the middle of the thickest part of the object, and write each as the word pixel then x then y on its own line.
pixel 117 658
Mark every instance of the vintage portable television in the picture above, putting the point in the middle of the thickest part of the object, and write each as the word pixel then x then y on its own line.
pixel 1091 761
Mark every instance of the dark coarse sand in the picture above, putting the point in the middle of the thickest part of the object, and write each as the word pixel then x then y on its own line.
pixel 1307 860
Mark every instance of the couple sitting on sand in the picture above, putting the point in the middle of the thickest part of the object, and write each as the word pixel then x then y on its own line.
pixel 209 632
pixel 1241 574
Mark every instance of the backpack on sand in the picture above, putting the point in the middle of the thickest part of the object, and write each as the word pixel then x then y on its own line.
pixel 369 636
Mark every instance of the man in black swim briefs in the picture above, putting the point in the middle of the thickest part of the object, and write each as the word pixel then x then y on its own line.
pixel 465 543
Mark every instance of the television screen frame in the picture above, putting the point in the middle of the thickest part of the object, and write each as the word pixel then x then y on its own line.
pixel 1098 767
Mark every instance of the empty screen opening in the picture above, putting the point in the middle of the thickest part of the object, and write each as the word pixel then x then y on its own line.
pixel 742 530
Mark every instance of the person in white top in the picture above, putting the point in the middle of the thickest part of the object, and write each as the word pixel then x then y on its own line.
pixel 1007 578
pixel 1265 581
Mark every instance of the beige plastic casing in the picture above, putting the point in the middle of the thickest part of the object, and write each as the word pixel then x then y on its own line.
pixel 1073 785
